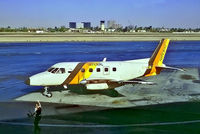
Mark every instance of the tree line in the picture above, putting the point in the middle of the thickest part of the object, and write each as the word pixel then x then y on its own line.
pixel 122 29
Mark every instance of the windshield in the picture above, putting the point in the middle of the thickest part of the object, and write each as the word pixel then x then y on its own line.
pixel 56 70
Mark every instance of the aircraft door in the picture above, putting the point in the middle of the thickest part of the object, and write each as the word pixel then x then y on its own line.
pixel 106 70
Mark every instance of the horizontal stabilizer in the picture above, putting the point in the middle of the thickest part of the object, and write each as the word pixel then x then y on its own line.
pixel 138 82
pixel 167 67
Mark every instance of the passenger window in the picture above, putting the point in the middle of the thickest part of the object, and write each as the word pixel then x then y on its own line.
pixel 82 70
pixel 98 69
pixel 90 70
pixel 114 69
pixel 69 71
pixel 106 69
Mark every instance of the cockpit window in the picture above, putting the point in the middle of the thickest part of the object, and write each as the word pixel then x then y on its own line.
pixel 62 70
pixel 59 71
pixel 50 69
pixel 56 70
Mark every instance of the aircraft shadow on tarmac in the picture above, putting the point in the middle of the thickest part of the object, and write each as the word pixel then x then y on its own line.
pixel 81 90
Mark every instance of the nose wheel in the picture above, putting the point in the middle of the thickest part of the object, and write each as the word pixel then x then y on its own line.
pixel 47 93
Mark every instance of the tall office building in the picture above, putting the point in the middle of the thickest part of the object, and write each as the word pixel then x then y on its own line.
pixel 72 24
pixel 102 25
pixel 113 25
pixel 86 25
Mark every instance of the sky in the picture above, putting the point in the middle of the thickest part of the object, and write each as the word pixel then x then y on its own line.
pixel 51 13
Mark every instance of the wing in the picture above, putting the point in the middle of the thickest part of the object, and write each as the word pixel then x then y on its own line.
pixel 101 84
pixel 119 82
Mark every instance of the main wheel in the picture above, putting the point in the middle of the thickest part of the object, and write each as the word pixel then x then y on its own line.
pixel 49 95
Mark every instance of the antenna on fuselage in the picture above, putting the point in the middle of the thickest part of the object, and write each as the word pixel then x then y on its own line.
pixel 104 59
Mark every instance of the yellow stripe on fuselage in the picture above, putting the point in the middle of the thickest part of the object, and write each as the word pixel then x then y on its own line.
pixel 84 75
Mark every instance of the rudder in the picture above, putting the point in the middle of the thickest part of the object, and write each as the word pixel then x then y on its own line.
pixel 157 58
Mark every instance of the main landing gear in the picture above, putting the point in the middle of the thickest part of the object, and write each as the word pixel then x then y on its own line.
pixel 47 93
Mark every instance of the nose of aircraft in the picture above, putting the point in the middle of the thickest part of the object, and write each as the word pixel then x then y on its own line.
pixel 27 82
pixel 45 79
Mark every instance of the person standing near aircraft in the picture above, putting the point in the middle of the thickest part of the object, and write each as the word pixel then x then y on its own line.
pixel 37 116
pixel 38 109
pixel 37 113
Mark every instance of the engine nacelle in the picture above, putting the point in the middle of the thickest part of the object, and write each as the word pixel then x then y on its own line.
pixel 97 86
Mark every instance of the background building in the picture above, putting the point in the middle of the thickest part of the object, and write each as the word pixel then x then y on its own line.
pixel 72 24
pixel 102 25
pixel 80 25
pixel 113 25
pixel 86 25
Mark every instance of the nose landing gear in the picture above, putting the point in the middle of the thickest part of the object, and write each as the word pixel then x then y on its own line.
pixel 47 93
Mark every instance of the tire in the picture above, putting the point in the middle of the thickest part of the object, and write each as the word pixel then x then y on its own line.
pixel 49 95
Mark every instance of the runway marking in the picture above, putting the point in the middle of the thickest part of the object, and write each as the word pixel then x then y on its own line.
pixel 101 126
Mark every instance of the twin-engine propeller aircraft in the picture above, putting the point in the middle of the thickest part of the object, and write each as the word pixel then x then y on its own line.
pixel 102 75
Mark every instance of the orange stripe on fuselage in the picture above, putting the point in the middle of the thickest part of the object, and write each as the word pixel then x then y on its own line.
pixel 73 73
pixel 84 75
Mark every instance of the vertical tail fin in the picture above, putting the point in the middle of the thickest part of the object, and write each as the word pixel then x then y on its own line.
pixel 157 58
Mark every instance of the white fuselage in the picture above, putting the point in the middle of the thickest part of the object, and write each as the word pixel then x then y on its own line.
pixel 109 70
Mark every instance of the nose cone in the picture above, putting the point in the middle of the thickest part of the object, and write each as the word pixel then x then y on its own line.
pixel 27 82
pixel 45 79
